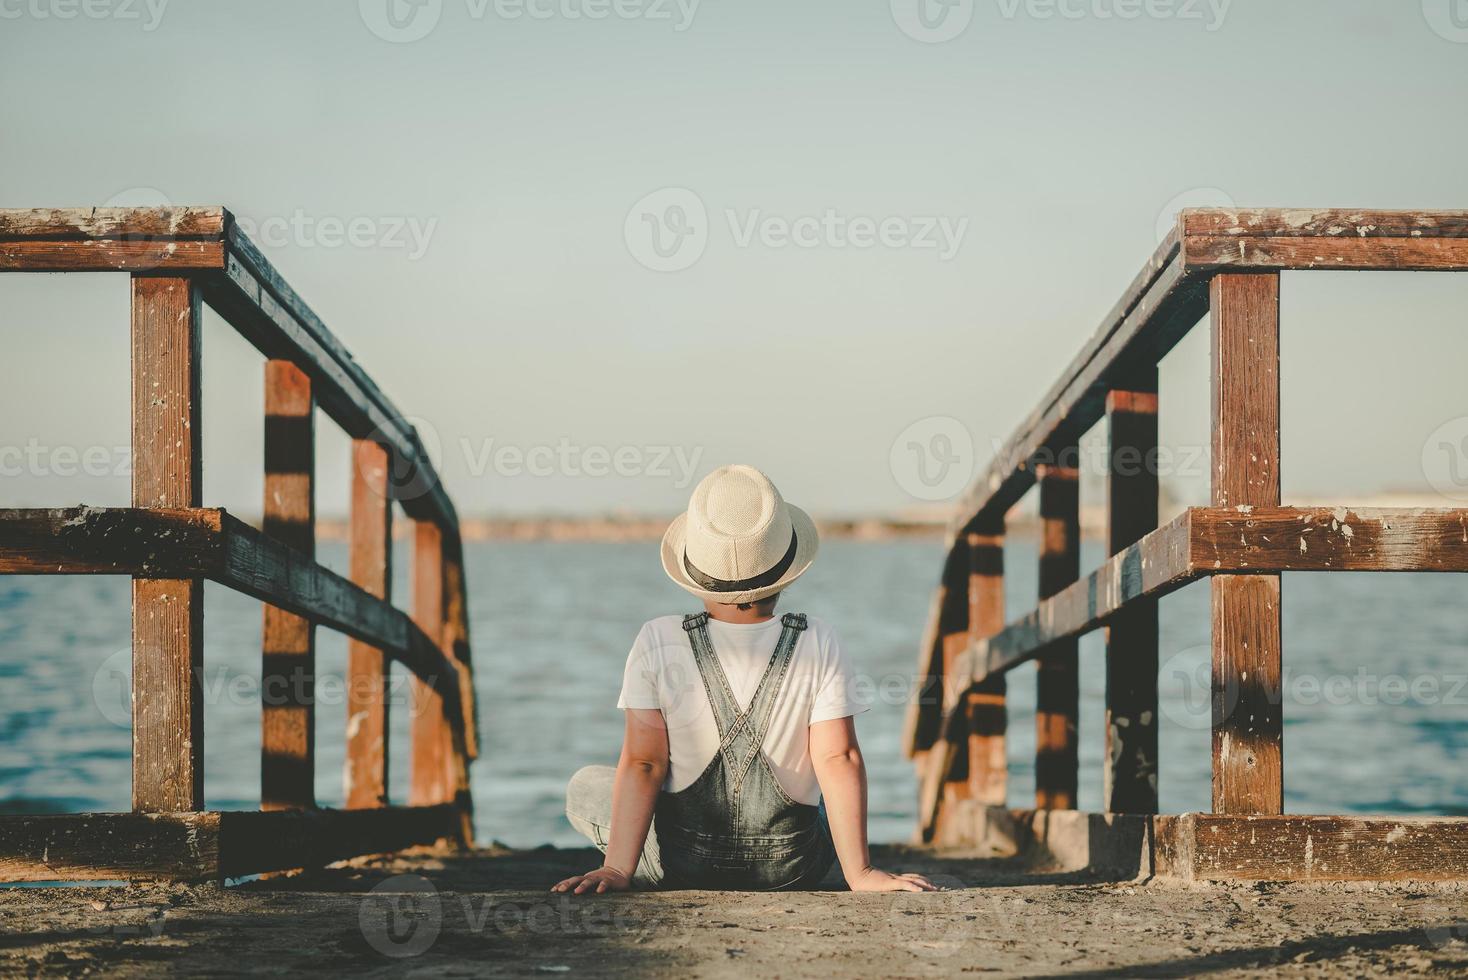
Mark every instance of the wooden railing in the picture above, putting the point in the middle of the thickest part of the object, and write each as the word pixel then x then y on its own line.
pixel 180 259
pixel 1224 265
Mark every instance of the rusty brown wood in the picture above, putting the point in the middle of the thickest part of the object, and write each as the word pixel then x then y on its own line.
pixel 207 846
pixel 288 652
pixel 430 772
pixel 1129 780
pixel 1057 691
pixel 366 771
pixel 1248 736
pixel 988 712
pixel 167 613
pixel 209 543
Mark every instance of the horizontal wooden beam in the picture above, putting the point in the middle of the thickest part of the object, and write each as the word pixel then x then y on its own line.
pixel 1154 566
pixel 210 845
pixel 1329 238
pixel 1327 223
pixel 18 224
pixel 1202 846
pixel 209 543
pixel 1328 539
pixel 1205 541
pixel 1208 847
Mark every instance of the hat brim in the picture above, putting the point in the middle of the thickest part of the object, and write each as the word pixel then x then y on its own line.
pixel 807 544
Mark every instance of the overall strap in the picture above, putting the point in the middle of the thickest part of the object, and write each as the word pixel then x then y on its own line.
pixel 740 744
pixel 715 684
pixel 762 705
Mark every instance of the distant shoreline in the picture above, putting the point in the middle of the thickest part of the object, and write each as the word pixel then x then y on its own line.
pixel 920 524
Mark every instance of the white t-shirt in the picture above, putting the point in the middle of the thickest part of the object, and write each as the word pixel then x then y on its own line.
pixel 661 674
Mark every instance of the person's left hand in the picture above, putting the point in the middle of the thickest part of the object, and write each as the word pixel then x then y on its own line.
pixel 599 882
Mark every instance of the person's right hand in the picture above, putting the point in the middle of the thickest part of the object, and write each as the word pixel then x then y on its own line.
pixel 874 880
pixel 599 882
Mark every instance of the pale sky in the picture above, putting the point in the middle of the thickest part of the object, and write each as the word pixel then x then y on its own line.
pixel 499 292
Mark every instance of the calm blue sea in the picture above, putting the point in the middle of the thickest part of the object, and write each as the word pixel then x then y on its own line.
pixel 1376 702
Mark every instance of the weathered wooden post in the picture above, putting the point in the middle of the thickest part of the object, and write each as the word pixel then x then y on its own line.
pixel 430 773
pixel 988 715
pixel 1057 692
pixel 168 614
pixel 1248 736
pixel 1130 777
pixel 288 658
pixel 366 770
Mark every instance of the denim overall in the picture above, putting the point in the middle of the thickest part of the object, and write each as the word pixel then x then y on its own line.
pixel 734 827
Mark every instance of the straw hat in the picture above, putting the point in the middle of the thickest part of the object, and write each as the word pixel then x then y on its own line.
pixel 739 541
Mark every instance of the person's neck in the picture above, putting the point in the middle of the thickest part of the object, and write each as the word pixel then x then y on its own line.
pixel 733 614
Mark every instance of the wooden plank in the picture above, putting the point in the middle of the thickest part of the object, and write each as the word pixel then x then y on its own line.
pixel 456 638
pixel 167 613
pixel 107 255
pixel 140 222
pixel 111 541
pixel 109 846
pixel 1153 567
pixel 1355 254
pixel 214 545
pixel 1129 781
pixel 430 773
pixel 1326 539
pixel 288 655
pixel 925 709
pixel 1327 848
pixel 941 764
pixel 254 842
pixel 366 770
pixel 1248 735
pixel 1321 223
pixel 988 713
pixel 1057 692
pixel 209 845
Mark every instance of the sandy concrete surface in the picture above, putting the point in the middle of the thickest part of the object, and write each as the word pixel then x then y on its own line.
pixel 488 914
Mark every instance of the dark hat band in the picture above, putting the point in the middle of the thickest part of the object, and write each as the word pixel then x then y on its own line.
pixel 706 581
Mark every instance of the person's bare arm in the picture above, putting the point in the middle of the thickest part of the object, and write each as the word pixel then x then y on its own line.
pixel 843 778
pixel 640 774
